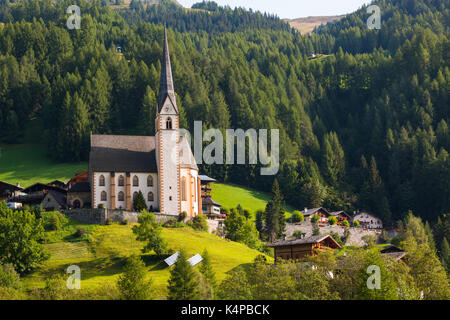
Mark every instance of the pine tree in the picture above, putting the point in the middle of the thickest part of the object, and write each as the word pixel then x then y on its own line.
pixel 139 203
pixel 445 255
pixel 183 280
pixel 208 274
pixel 146 125
pixel 132 283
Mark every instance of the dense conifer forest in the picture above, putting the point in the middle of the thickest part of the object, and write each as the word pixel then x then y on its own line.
pixel 363 126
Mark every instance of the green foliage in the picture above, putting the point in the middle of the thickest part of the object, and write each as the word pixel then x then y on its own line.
pixel 20 233
pixel 297 216
pixel 199 223
pixel 239 229
pixel 182 216
pixel 345 223
pixel 54 221
pixel 445 255
pixel 356 223
pixel 183 280
pixel 139 203
pixel 315 218
pixel 298 234
pixel 332 221
pixel 9 278
pixel 149 230
pixel 208 274
pixel 132 283
pixel 275 219
pixel 316 229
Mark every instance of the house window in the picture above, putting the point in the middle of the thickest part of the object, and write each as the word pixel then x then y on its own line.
pixel 121 196
pixel 183 189
pixel 103 196
pixel 121 181
pixel 169 123
pixel 102 181
pixel 150 181
pixel 150 196
pixel 135 181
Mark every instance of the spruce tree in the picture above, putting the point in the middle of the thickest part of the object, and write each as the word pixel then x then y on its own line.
pixel 183 280
pixel 132 283
pixel 445 255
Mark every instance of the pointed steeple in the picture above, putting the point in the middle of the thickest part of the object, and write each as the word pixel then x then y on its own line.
pixel 166 88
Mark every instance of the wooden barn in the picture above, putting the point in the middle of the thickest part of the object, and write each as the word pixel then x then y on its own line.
pixel 296 249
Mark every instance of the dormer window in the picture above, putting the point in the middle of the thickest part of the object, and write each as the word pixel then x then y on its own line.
pixel 169 123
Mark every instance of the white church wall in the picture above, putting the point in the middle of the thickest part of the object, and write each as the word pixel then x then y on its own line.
pixel 146 189
pixel 98 189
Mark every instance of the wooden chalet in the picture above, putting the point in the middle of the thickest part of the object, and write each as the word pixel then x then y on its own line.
pixel 8 190
pixel 296 249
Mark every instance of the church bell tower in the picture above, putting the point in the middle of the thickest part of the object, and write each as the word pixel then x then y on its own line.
pixel 167 139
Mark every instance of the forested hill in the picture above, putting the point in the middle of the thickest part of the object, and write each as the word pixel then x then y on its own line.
pixel 358 131
pixel 204 16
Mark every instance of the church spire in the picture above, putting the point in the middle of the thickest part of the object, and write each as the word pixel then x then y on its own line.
pixel 166 88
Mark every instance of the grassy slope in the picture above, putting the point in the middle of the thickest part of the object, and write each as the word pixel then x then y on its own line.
pixel 28 164
pixel 307 25
pixel 101 259
pixel 229 196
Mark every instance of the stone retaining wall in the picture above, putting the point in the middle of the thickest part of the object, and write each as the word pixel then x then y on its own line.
pixel 100 216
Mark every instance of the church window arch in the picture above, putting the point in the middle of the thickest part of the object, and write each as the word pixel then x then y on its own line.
pixel 169 123
pixel 101 181
pixel 135 181
pixel 121 181
pixel 103 196
pixel 149 181
pixel 151 197
pixel 183 189
pixel 121 196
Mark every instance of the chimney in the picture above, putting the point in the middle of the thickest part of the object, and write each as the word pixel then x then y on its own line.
pixel 306 209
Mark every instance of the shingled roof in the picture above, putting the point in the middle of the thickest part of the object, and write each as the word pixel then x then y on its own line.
pixel 310 240
pixel 122 153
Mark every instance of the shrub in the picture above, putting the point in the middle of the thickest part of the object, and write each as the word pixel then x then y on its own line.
pixel 182 216
pixel 109 221
pixel 332 221
pixel 101 206
pixel 345 223
pixel 80 232
pixel 356 223
pixel 53 221
pixel 173 223
pixel 297 216
pixel 315 218
pixel 124 222
pixel 224 210
pixel 299 234
pixel 9 278
pixel 199 223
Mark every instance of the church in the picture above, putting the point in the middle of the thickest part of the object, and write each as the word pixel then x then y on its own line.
pixel 162 167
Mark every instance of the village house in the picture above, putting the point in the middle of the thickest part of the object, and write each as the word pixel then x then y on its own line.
pixel 296 249
pixel 8 190
pixel 54 201
pixel 209 206
pixel 79 195
pixel 368 220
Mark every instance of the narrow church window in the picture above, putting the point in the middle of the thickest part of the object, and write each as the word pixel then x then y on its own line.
pixel 121 196
pixel 103 196
pixel 121 181
pixel 169 123
pixel 150 181
pixel 102 181
pixel 183 189
pixel 135 195
pixel 135 181
pixel 170 198
pixel 195 189
pixel 150 196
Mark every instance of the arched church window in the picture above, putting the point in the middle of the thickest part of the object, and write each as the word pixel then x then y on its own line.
pixel 135 181
pixel 169 123
pixel 121 196
pixel 103 196
pixel 150 196
pixel 102 181
pixel 183 189
pixel 150 181
pixel 121 181
pixel 135 195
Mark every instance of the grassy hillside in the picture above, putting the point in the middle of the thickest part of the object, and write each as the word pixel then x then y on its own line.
pixel 230 195
pixel 28 164
pixel 307 25
pixel 102 257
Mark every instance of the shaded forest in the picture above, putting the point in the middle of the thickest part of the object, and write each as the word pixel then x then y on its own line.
pixel 363 127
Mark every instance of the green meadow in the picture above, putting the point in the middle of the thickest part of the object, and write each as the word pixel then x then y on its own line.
pixel 101 257
pixel 28 164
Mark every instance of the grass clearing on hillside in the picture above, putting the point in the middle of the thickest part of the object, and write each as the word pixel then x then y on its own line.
pixel 101 259
pixel 28 164
pixel 230 195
